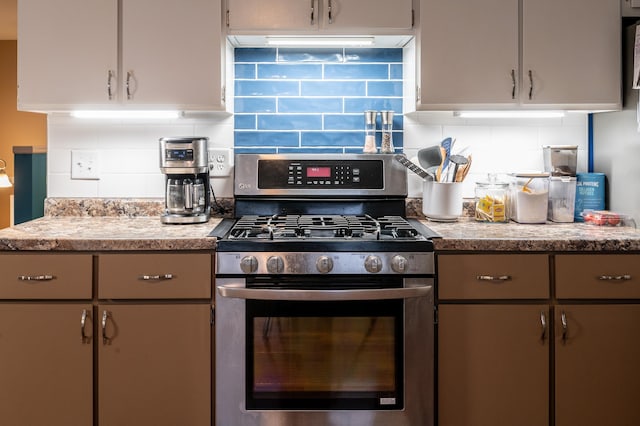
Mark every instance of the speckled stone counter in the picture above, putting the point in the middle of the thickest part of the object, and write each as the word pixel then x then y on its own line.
pixel 107 233
pixel 469 235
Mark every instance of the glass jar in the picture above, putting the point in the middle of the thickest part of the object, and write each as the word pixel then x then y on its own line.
pixel 491 200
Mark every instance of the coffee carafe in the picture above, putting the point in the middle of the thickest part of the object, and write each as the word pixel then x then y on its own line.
pixel 184 161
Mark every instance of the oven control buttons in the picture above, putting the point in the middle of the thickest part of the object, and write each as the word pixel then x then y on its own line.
pixel 275 265
pixel 249 264
pixel 373 264
pixel 324 264
pixel 399 264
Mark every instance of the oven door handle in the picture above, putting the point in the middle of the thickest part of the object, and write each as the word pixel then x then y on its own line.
pixel 241 292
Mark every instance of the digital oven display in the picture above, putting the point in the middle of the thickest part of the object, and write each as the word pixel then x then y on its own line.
pixel 319 172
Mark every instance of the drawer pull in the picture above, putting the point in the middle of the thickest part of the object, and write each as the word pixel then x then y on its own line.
pixel 36 277
pixel 83 321
pixel 155 277
pixel 105 316
pixel 493 278
pixel 625 277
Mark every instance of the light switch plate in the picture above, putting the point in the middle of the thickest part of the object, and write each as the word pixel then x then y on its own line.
pixel 219 162
pixel 85 165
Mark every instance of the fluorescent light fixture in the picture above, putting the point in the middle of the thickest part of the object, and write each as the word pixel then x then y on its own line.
pixel 509 114
pixel 127 114
pixel 320 41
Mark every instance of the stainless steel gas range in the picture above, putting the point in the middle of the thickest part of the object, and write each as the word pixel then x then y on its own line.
pixel 324 296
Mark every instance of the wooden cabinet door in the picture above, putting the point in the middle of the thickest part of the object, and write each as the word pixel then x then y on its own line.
pixel 46 366
pixel 468 53
pixel 493 365
pixel 154 365
pixel 572 48
pixel 255 15
pixel 347 16
pixel 597 367
pixel 66 49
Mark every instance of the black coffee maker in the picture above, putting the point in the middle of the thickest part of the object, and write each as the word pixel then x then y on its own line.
pixel 185 163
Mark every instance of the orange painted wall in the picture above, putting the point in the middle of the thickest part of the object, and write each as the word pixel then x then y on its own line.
pixel 16 128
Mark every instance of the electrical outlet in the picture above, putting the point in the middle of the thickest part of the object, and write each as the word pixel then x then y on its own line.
pixel 219 162
pixel 84 165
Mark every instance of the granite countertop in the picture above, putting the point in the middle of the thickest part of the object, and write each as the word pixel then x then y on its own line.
pixel 102 225
pixel 468 234
pixel 107 233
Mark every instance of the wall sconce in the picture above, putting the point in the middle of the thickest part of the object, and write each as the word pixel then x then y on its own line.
pixel 4 179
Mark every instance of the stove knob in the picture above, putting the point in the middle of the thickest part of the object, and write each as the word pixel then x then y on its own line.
pixel 324 264
pixel 399 264
pixel 373 264
pixel 249 264
pixel 275 265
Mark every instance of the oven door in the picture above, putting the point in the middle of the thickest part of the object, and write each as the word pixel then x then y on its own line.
pixel 358 352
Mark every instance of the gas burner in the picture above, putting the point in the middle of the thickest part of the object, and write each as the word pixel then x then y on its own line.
pixel 345 227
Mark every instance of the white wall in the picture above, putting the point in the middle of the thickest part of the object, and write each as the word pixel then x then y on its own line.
pixel 129 157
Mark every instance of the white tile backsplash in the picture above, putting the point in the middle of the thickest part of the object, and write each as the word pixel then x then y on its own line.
pixel 129 151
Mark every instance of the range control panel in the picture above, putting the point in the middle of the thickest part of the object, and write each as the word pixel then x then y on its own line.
pixel 282 174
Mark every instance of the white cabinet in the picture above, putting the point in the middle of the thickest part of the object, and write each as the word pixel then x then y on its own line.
pixel 74 54
pixel 326 16
pixel 564 55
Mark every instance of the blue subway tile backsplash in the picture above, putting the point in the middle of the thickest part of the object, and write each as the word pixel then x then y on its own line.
pixel 312 100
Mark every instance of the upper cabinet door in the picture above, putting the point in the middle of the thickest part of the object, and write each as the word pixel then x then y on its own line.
pixel 171 53
pixel 571 49
pixel 66 49
pixel 300 15
pixel 327 16
pixel 468 53
pixel 351 15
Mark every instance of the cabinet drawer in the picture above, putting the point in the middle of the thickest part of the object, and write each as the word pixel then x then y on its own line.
pixel 493 276
pixel 45 276
pixel 598 276
pixel 154 276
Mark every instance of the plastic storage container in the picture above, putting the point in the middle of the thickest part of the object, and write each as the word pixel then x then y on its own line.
pixel 560 160
pixel 529 197
pixel 491 200
pixel 562 198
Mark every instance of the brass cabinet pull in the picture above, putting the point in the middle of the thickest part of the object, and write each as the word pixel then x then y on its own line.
pixel 513 84
pixel 162 277
pixel 83 321
pixel 45 277
pixel 543 322
pixel 105 316
pixel 109 91
pixel 625 277
pixel 499 278
pixel 565 326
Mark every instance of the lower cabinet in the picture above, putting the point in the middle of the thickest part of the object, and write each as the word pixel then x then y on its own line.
pixel 597 358
pixel 46 364
pixel 493 365
pixel 154 364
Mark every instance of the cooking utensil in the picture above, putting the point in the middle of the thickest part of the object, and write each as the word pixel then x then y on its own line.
pixel 443 155
pixel 402 159
pixel 428 157
pixel 462 171
pixel 457 160
pixel 447 144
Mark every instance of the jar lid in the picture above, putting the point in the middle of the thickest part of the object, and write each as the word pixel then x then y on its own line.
pixel 492 181
pixel 531 175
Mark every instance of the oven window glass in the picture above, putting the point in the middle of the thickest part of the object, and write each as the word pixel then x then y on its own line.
pixel 324 355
